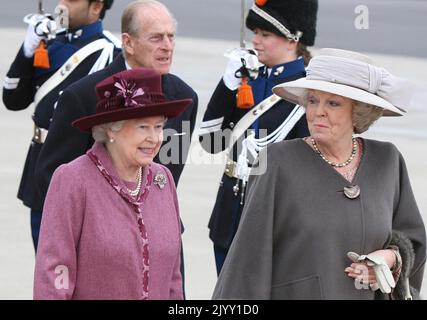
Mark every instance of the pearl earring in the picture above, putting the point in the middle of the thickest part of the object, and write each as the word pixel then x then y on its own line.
pixel 111 140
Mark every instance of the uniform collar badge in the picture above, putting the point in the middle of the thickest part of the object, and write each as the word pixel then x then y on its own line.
pixel 279 70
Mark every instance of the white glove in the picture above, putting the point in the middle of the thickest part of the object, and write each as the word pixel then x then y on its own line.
pixel 385 280
pixel 47 27
pixel 235 63
pixel 39 27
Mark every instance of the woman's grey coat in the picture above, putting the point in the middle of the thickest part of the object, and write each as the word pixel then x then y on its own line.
pixel 297 225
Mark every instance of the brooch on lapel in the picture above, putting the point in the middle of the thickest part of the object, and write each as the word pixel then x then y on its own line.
pixel 352 192
pixel 160 180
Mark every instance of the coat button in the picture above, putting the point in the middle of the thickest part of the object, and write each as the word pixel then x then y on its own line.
pixel 352 192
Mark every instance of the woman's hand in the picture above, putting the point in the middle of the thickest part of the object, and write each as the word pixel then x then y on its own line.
pixel 362 273
pixel 388 255
pixel 365 274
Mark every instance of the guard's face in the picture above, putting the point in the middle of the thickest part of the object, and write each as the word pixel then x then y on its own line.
pixel 78 13
pixel 273 49
pixel 329 116
pixel 138 141
pixel 153 46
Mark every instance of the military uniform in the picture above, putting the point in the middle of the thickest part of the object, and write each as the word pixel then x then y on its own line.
pixel 294 20
pixel 222 112
pixel 23 81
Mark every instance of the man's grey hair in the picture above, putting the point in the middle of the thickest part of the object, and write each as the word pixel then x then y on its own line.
pixel 130 23
pixel 99 132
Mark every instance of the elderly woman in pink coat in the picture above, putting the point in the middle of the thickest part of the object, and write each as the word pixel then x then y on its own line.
pixel 111 227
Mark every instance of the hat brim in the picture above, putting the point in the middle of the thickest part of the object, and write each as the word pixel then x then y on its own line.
pixel 170 109
pixel 293 91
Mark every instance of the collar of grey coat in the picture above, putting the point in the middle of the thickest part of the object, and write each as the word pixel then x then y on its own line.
pixel 352 191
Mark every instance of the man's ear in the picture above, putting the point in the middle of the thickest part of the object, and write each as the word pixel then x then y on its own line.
pixel 128 44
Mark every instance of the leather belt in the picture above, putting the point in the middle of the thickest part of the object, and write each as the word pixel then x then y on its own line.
pixel 230 169
pixel 40 135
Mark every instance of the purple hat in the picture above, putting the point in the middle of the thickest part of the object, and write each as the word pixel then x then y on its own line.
pixel 131 94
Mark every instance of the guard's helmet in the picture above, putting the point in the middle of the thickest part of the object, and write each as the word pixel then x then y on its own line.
pixel 293 19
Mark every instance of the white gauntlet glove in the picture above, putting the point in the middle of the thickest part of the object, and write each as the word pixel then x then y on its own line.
pixel 235 63
pixel 385 280
pixel 39 27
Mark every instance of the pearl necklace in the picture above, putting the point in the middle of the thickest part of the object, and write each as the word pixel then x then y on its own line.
pixel 334 164
pixel 135 192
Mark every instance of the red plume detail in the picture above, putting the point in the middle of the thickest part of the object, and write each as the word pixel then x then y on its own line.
pixel 261 3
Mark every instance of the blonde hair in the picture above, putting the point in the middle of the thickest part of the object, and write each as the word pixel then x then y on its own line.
pixel 364 115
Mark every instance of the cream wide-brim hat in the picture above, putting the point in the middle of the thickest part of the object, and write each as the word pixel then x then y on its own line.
pixel 348 74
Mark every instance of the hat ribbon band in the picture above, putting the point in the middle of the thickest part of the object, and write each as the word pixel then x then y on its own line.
pixel 360 75
pixel 119 102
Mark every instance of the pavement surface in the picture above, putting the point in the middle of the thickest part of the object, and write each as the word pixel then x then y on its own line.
pixel 200 63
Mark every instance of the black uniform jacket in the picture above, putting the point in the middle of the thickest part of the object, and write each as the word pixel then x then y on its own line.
pixel 220 118
pixel 64 143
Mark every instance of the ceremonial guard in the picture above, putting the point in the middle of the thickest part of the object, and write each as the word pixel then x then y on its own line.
pixel 55 53
pixel 282 30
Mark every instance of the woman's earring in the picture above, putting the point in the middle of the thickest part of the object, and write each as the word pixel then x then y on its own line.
pixel 111 140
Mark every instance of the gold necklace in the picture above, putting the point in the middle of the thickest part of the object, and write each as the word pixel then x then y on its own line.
pixel 334 164
pixel 136 191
